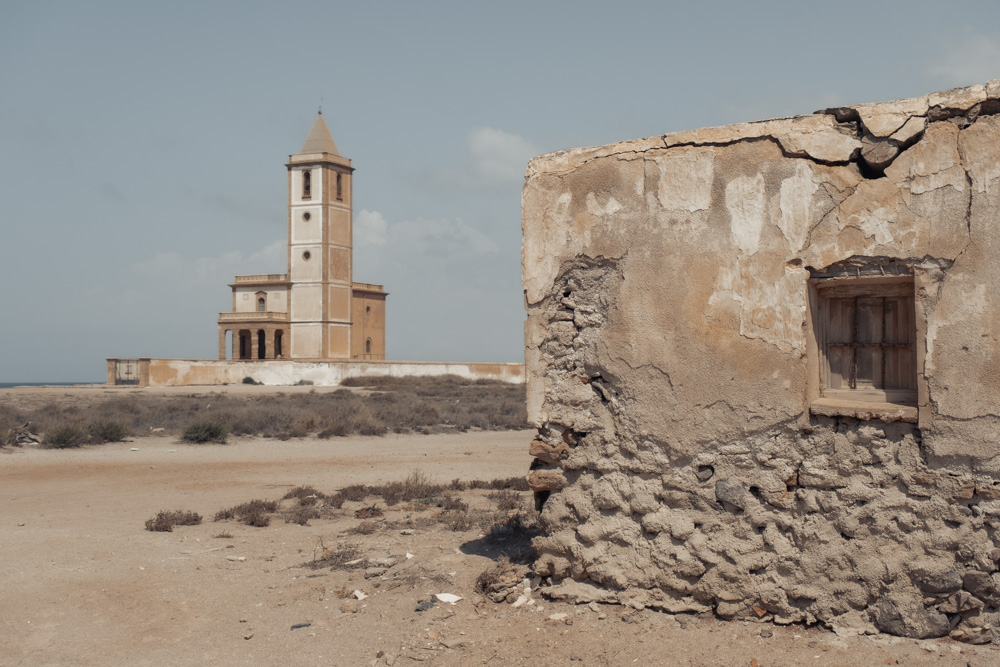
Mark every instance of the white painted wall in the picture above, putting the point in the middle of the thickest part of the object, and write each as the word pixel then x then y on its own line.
pixel 307 340
pixel 183 372
pixel 303 269
pixel 307 303
pixel 246 299
pixel 307 231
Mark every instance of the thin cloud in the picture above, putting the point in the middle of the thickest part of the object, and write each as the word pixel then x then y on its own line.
pixel 211 272
pixel 370 228
pixel 499 156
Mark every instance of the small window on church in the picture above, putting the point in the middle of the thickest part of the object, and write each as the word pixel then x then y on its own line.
pixel 340 192
pixel 368 346
pixel 306 184
pixel 261 305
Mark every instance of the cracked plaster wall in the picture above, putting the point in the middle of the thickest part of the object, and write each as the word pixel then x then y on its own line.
pixel 668 359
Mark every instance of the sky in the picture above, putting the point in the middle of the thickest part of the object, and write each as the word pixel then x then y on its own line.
pixel 142 145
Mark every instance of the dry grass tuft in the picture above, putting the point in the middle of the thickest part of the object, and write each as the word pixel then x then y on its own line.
pixel 165 521
pixel 255 513
pixel 340 557
pixel 370 512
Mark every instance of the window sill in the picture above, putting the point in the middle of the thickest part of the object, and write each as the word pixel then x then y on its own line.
pixel 863 409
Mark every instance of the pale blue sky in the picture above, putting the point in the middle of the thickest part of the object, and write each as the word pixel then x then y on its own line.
pixel 142 145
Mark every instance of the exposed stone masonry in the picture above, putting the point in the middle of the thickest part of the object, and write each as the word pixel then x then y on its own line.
pixel 683 460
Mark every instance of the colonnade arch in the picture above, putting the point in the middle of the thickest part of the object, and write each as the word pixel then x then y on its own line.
pixel 252 343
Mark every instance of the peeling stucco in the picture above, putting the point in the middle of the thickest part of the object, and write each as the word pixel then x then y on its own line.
pixel 672 366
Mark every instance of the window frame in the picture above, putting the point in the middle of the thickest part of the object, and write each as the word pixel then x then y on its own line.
pixel 863 402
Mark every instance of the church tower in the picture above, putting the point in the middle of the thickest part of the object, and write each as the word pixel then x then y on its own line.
pixel 319 248
pixel 314 312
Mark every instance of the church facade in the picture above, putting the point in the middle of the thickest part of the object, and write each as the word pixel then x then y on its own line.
pixel 315 311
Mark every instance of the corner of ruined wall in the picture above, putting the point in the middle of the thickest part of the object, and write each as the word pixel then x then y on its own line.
pixel 669 369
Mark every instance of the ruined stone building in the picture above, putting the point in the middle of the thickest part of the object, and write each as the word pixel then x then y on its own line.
pixel 764 365
pixel 314 311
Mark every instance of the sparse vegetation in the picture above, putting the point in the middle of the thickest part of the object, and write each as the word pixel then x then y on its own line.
pixel 165 521
pixel 249 380
pixel 108 430
pixel 372 406
pixel 340 557
pixel 255 513
pixel 66 436
pixel 206 431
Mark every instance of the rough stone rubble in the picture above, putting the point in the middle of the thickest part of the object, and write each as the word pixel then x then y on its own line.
pixel 678 463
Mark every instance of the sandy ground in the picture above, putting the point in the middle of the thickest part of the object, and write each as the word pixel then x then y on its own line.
pixel 84 583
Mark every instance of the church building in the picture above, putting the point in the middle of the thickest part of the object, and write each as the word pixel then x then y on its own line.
pixel 315 311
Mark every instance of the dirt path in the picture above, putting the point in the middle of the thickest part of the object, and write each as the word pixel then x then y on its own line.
pixel 83 583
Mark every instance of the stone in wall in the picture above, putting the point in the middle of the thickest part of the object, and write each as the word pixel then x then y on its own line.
pixel 689 455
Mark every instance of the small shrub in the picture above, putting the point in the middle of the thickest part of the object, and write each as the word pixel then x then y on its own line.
pixel 339 430
pixel 165 521
pixel 304 383
pixel 365 528
pixel 66 436
pixel 459 521
pixel 224 535
pixel 249 380
pixel 254 513
pixel 207 431
pixel 451 503
pixel 336 501
pixel 372 512
pixel 506 499
pixel 108 430
pixel 256 518
pixel 161 523
pixel 301 516
pixel 354 492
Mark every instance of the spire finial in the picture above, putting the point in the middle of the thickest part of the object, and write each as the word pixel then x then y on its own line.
pixel 321 104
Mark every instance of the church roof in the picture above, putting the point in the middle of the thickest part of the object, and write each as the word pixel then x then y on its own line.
pixel 319 140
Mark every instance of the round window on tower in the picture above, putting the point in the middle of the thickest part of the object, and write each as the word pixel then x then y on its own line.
pixel 306 255
pixel 306 216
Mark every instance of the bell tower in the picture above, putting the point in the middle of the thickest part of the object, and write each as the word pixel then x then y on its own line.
pixel 319 248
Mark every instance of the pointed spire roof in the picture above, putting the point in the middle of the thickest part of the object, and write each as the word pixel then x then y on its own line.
pixel 319 140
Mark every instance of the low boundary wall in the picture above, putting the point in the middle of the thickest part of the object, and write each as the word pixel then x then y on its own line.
pixel 186 372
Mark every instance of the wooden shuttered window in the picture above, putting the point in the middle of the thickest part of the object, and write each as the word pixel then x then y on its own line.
pixel 867 341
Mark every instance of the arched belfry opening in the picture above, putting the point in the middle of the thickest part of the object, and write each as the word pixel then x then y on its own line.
pixel 306 184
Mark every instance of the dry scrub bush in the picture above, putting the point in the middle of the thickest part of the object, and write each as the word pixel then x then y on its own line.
pixel 506 499
pixel 301 515
pixel 66 436
pixel 108 430
pixel 207 431
pixel 388 404
pixel 165 521
pixel 370 512
pixel 340 557
pixel 255 513
pixel 364 528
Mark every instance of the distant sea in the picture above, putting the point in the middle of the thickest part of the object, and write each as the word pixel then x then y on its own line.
pixel 8 385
